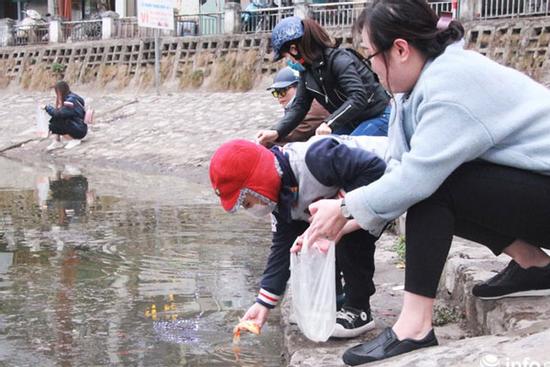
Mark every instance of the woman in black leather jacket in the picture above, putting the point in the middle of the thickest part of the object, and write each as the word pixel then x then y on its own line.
pixel 339 79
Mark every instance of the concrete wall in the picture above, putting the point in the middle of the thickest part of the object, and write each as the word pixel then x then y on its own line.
pixel 234 62
pixel 522 44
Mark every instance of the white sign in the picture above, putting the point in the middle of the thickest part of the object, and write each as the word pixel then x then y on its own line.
pixel 156 13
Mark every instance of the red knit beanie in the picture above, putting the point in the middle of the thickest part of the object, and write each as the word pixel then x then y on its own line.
pixel 240 164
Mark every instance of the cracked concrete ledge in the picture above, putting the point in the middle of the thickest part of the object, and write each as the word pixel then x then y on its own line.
pixel 510 332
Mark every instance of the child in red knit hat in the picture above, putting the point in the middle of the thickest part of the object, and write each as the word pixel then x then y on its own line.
pixel 283 182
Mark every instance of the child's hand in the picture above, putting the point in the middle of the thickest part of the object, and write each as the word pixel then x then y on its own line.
pixel 297 245
pixel 257 313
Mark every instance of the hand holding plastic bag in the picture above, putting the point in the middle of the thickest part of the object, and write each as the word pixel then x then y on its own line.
pixel 312 281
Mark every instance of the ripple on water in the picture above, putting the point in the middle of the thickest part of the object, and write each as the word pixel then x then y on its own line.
pixel 126 282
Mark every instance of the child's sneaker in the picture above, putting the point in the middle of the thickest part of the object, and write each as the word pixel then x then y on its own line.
pixel 54 145
pixel 73 143
pixel 351 322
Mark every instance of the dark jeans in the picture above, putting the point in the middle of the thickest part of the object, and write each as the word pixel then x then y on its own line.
pixel 376 126
pixel 486 203
pixel 355 258
pixel 68 127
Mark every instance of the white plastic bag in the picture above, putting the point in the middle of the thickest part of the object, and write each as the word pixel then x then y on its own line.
pixel 313 291
pixel 42 122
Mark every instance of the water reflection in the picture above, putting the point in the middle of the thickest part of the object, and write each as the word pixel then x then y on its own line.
pixel 87 277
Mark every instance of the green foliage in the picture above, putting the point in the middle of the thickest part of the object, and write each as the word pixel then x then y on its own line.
pixel 197 78
pixel 445 315
pixel 399 248
pixel 58 68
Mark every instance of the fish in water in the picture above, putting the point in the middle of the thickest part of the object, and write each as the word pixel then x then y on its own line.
pixel 245 325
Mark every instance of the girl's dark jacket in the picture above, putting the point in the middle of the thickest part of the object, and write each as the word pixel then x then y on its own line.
pixel 342 83
pixel 72 110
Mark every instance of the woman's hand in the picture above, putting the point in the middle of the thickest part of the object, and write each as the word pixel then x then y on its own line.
pixel 327 220
pixel 265 137
pixel 350 226
pixel 257 313
pixel 323 129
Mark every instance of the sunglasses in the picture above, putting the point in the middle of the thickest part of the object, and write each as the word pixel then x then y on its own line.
pixel 279 93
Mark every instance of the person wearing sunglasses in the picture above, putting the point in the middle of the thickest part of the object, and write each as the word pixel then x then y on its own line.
pixel 284 89
pixel 339 79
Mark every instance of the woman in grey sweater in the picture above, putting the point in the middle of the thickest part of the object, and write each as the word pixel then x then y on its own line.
pixel 469 156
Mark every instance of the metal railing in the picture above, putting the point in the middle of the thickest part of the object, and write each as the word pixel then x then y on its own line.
pixel 30 34
pixel 81 30
pixel 343 14
pixel 199 24
pixel 128 28
pixel 263 20
pixel 513 8
pixel 336 15
pixel 442 6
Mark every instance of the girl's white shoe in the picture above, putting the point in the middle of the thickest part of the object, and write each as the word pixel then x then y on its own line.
pixel 73 143
pixel 54 145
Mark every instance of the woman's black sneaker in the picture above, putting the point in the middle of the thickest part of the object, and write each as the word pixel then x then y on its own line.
pixel 351 322
pixel 514 281
pixel 384 346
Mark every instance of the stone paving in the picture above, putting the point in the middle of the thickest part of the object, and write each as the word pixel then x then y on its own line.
pixel 171 133
pixel 507 332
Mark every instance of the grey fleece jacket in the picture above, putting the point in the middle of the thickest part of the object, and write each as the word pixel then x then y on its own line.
pixel 463 107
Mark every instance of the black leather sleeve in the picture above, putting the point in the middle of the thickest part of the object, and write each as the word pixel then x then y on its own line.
pixel 345 69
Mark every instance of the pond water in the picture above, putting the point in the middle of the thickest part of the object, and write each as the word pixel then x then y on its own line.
pixel 101 267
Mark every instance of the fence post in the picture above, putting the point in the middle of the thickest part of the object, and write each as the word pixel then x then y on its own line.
pixel 232 17
pixel 470 9
pixel 55 31
pixel 6 32
pixel 109 25
pixel 301 8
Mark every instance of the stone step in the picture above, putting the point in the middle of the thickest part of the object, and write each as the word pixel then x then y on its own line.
pixel 469 264
pixel 517 329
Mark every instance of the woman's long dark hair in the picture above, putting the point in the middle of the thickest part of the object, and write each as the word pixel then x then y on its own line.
pixel 62 87
pixel 411 20
pixel 313 42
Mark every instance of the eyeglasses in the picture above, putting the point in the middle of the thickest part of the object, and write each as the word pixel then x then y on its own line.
pixel 368 58
pixel 279 92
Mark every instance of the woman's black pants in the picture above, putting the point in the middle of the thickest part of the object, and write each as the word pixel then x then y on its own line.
pixel 485 203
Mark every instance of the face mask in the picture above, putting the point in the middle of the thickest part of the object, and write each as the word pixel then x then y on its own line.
pixel 296 66
pixel 260 210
